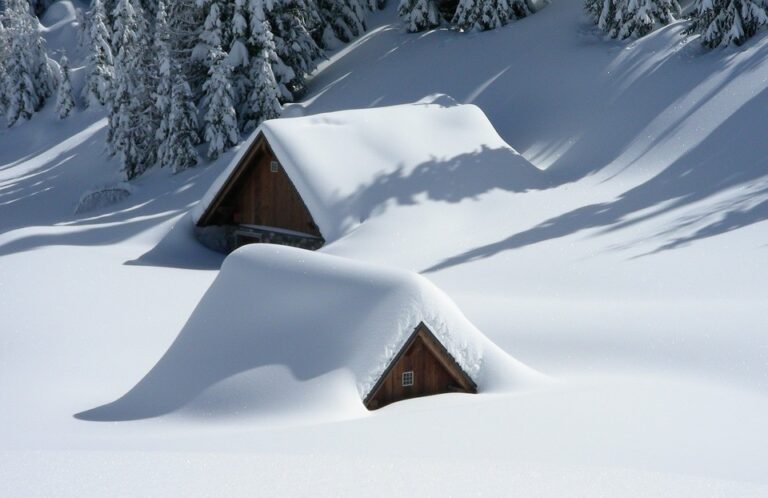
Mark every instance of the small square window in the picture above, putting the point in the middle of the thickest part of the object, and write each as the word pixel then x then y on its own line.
pixel 408 378
pixel 273 166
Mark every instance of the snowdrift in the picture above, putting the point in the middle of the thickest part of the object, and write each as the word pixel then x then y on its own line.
pixel 346 165
pixel 284 330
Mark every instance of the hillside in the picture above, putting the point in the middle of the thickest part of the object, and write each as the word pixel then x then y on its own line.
pixel 631 273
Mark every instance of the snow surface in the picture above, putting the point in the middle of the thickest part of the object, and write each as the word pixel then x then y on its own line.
pixel 277 318
pixel 344 164
pixel 635 279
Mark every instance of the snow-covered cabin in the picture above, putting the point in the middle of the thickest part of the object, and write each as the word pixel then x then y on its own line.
pixel 309 180
pixel 298 332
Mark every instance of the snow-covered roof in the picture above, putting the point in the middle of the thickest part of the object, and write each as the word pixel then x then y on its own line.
pixel 298 327
pixel 334 158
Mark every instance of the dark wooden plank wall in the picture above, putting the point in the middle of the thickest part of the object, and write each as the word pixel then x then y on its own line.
pixel 270 199
pixel 431 376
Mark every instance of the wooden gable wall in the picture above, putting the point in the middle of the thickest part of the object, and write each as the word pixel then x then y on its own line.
pixel 434 372
pixel 256 195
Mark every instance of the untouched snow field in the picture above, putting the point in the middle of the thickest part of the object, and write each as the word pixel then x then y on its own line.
pixel 634 278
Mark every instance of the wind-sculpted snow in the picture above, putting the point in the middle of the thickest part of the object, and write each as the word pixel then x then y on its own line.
pixel 287 329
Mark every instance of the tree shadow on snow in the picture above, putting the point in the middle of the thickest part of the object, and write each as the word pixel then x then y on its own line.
pixel 450 180
pixel 618 104
pixel 39 193
pixel 701 173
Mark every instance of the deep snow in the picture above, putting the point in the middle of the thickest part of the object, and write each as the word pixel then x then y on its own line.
pixel 635 280
pixel 305 333
pixel 346 165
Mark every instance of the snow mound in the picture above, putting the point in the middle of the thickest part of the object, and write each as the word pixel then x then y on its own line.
pixel 103 197
pixel 343 163
pixel 299 333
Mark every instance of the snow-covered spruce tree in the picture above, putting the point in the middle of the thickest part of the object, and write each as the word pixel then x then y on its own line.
pixel 185 21
pixel 594 9
pixel 82 27
pixel 128 135
pixel 45 73
pixel 483 15
pixel 182 134
pixel 30 77
pixel 343 19
pixel 291 22
pixel 264 99
pixel 5 47
pixel 637 18
pixel 220 118
pixel 631 18
pixel 606 21
pixel 419 15
pixel 240 58
pixel 163 88
pixel 64 101
pixel 98 81
pixel 261 30
pixel 216 31
pixel 726 22
pixel 22 97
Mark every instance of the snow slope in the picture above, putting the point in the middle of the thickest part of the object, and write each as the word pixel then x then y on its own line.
pixel 635 278
pixel 305 332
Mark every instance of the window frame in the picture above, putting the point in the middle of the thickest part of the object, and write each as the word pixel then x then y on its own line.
pixel 407 378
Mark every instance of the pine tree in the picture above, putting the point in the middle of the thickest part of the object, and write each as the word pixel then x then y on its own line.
pixel 419 15
pixel 220 119
pixel 343 19
pixel 263 101
pixel 147 76
pixel 128 134
pixel 631 18
pixel 240 59
pixel 216 32
pixel 255 85
pixel 291 22
pixel 101 71
pixel 22 96
pixel 64 101
pixel 162 94
pixel 726 22
pixel 185 19
pixel 594 9
pixel 606 21
pixel 637 18
pixel 30 77
pixel 483 15
pixel 5 54
pixel 182 136
pixel 43 69
pixel 261 30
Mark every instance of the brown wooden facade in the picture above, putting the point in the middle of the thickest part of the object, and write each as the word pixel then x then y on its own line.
pixel 260 193
pixel 423 367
